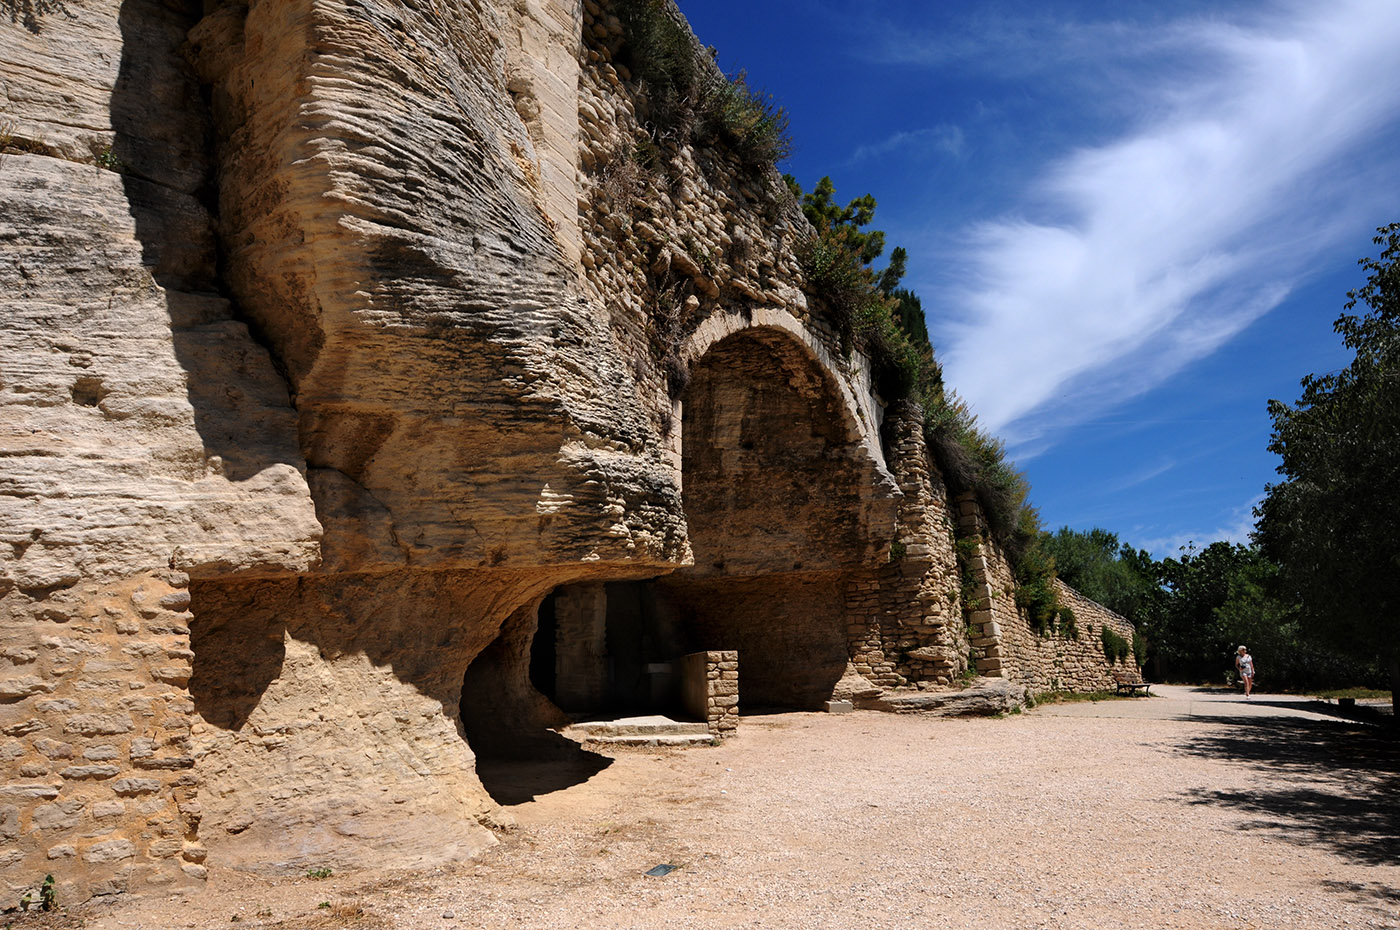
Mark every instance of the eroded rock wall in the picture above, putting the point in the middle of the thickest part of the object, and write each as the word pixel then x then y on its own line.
pixel 386 227
pixel 144 435
pixel 338 338
pixel 311 323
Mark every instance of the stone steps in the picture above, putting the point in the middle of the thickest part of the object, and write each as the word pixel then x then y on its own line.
pixel 640 731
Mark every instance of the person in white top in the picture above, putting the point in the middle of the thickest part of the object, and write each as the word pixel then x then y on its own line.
pixel 1244 663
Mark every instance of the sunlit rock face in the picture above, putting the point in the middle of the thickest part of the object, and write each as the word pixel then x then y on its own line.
pixel 328 358
pixel 369 406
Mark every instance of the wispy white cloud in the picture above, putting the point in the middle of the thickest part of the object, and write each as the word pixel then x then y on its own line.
pixel 944 139
pixel 1236 528
pixel 1141 476
pixel 1141 255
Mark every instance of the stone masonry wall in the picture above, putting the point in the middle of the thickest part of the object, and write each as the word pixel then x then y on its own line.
pixel 1004 644
pixel 722 691
pixel 904 620
pixel 679 233
pixel 336 336
pixel 97 782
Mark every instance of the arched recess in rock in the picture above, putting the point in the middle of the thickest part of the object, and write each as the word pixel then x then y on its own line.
pixel 787 502
pixel 331 707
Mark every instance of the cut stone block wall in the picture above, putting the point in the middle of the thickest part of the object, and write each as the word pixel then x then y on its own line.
pixel 711 689
pixel 97 764
pixel 581 615
pixel 904 620
pixel 1005 645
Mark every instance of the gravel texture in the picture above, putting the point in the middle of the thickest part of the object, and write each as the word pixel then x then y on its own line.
pixel 1185 810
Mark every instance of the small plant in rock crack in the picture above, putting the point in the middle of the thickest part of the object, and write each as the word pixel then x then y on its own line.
pixel 48 899
pixel 318 873
pixel 105 159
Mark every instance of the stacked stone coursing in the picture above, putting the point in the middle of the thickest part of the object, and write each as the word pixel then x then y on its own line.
pixel 907 625
pixel 97 745
pixel 1004 644
pixel 677 233
pixel 721 691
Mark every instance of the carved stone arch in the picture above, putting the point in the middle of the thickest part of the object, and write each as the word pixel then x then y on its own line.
pixel 852 384
pixel 787 500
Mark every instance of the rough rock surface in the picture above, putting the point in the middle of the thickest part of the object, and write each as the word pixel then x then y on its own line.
pixel 367 403
pixel 983 697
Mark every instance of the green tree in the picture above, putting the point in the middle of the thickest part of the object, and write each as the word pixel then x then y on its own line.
pixel 825 214
pixel 1189 638
pixel 1331 523
pixel 1095 563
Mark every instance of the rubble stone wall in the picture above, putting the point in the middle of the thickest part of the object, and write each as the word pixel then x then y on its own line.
pixel 96 748
pixel 1004 644
pixel 904 620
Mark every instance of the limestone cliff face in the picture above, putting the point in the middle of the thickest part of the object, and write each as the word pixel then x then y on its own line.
pixel 367 407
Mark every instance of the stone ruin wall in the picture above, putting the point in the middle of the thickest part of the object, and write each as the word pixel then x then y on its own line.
pixel 1005 644
pixel 331 348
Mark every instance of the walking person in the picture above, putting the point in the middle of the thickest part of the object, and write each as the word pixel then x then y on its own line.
pixel 1244 664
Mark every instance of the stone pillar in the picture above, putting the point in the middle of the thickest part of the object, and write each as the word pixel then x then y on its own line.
pixel 580 646
pixel 985 631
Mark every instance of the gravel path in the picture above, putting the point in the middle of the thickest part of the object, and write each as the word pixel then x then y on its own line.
pixel 1186 810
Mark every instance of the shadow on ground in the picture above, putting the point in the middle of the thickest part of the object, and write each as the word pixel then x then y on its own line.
pixel 541 766
pixel 1336 785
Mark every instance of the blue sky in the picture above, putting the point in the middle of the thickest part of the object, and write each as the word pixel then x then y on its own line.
pixel 1131 224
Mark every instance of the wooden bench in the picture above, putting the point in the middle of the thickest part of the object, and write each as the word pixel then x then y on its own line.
pixel 1132 688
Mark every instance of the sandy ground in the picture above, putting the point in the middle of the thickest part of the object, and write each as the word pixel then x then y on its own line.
pixel 1185 810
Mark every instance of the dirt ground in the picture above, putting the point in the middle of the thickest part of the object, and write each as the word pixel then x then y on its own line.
pixel 1185 810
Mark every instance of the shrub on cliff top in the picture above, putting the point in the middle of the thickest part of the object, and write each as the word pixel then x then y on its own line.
pixel 689 99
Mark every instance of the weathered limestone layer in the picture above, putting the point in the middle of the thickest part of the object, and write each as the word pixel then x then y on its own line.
pixel 385 228
pixel 143 435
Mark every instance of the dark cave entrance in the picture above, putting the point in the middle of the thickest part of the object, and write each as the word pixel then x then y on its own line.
pixel 609 649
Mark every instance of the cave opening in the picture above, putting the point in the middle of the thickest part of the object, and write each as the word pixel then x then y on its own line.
pixel 610 649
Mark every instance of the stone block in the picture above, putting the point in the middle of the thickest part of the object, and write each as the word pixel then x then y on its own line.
pixel 110 851
pixel 839 707
pixel 98 724
pixel 133 787
pixel 81 772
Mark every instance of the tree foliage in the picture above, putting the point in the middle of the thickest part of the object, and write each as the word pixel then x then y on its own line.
pixel 1097 565
pixel 1192 610
pixel 1331 522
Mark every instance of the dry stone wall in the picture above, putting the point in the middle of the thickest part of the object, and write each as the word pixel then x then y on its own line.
pixel 905 621
pixel 1004 644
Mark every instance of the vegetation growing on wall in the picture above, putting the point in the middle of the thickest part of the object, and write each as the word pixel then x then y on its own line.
pixel 690 101
pixel 1115 647
pixel 687 100
pixel 872 313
